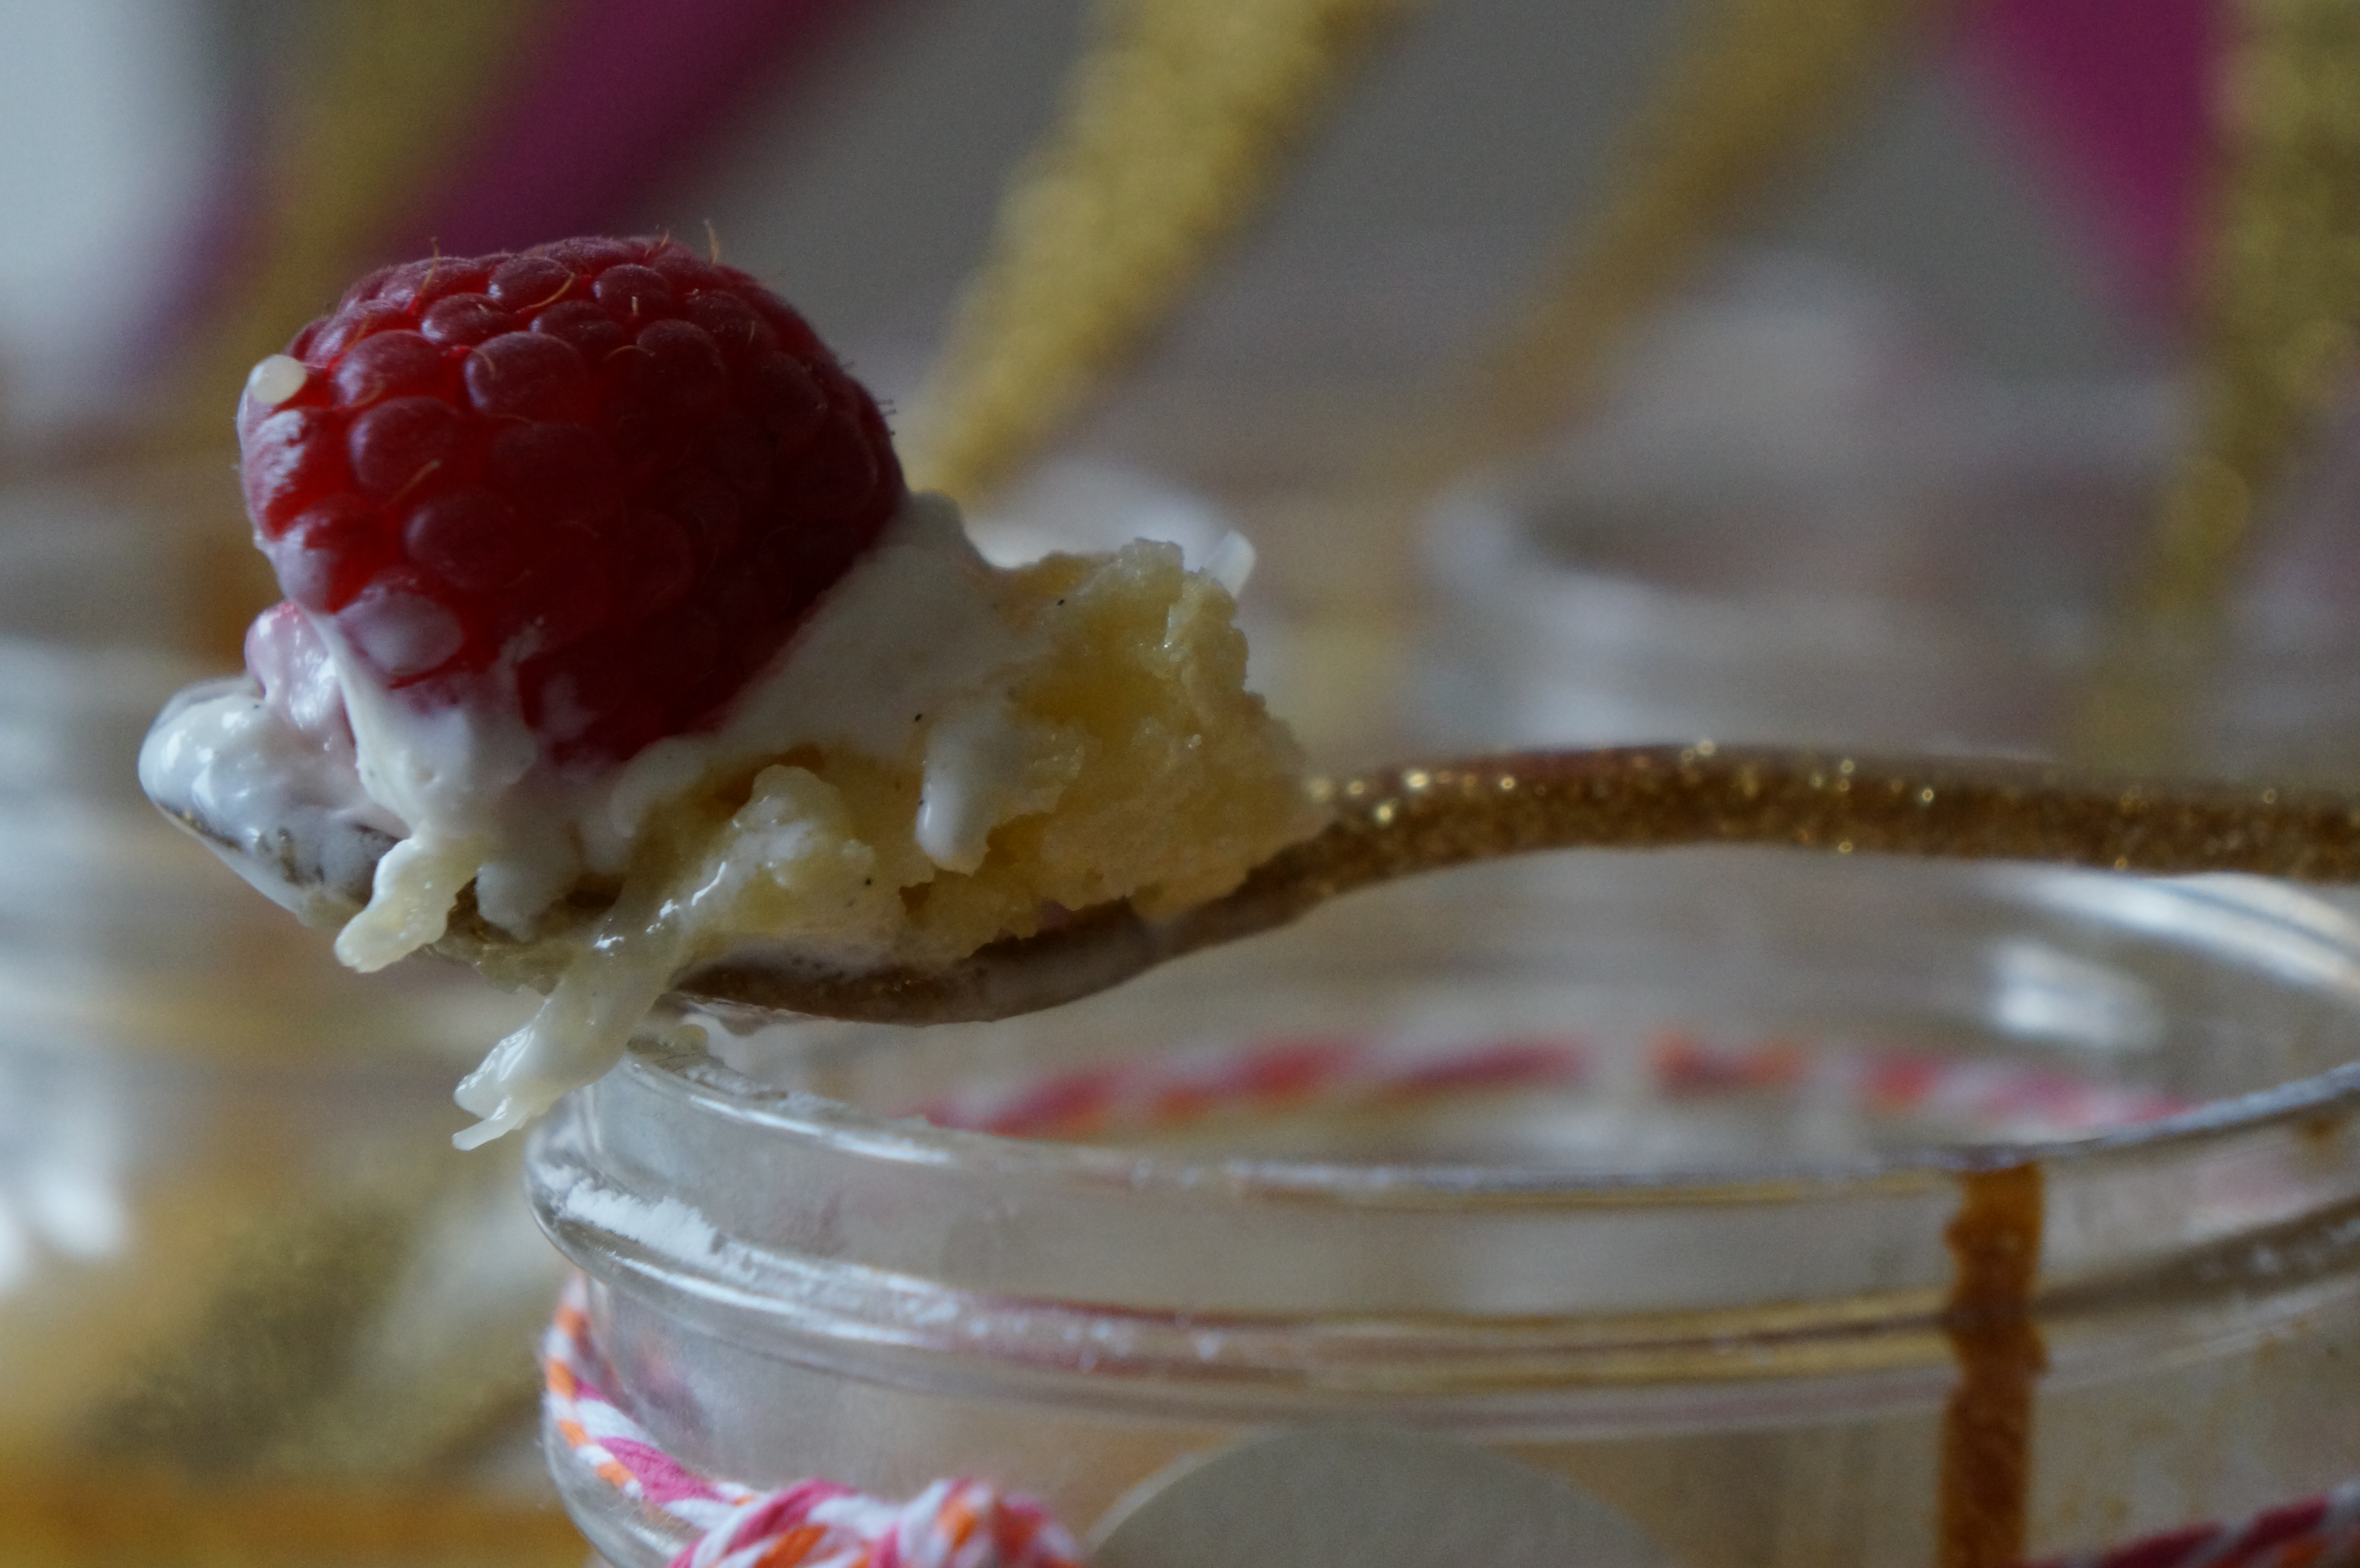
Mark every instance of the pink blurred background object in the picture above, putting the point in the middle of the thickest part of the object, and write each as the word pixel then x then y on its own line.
pixel 616 97
pixel 2115 96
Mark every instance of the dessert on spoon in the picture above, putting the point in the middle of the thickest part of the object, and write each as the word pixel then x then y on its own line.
pixel 614 640
pixel 618 660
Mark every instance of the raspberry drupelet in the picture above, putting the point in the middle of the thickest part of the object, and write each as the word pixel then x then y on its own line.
pixel 626 470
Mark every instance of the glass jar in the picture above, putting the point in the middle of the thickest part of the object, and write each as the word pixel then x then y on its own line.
pixel 1638 1169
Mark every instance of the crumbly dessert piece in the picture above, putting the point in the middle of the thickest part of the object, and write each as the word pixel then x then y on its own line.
pixel 1118 756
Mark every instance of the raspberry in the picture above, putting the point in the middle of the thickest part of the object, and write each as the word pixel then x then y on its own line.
pixel 631 470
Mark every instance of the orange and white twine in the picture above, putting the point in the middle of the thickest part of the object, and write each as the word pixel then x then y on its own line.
pixel 810 1524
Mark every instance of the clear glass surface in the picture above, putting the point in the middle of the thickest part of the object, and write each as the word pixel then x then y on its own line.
pixel 1689 1253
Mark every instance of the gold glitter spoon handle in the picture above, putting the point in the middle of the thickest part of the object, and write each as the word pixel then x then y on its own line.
pixel 1406 820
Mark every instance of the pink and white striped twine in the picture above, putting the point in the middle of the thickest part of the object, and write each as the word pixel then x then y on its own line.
pixel 811 1524
pixel 967 1524
pixel 964 1523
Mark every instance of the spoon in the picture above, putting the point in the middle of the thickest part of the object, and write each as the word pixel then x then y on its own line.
pixel 1402 821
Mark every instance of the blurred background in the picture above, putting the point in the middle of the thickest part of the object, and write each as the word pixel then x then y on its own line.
pixel 2026 179
pixel 1869 451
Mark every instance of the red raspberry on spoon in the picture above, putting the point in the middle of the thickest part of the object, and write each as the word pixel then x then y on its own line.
pixel 624 470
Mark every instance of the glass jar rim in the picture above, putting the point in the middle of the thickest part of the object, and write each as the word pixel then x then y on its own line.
pixel 693 1075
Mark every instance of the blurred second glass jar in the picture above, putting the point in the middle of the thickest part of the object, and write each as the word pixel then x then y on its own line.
pixel 1798 523
pixel 234 1244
